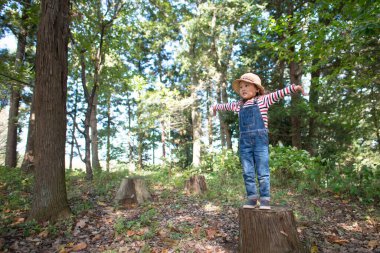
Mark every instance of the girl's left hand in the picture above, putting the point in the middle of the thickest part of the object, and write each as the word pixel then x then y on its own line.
pixel 300 88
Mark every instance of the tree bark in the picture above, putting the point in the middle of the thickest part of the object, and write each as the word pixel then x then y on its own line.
pixel 295 77
pixel 129 138
pixel 163 139
pixel 140 138
pixel 268 231
pixel 75 113
pixel 89 97
pixel 27 163
pixel 222 96
pixel 196 185
pixel 11 147
pixel 196 123
pixel 313 102
pixel 94 135
pixel 209 118
pixel 295 69
pixel 108 154
pixel 49 193
pixel 132 191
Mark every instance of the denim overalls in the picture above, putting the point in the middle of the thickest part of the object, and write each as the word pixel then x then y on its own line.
pixel 254 151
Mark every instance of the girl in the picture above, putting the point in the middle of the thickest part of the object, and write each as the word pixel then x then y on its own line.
pixel 253 126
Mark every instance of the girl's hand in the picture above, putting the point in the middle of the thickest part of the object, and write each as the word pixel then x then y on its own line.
pixel 299 88
pixel 212 110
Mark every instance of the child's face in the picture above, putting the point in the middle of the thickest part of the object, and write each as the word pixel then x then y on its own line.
pixel 247 90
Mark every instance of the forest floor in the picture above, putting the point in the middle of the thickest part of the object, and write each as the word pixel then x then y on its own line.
pixel 176 222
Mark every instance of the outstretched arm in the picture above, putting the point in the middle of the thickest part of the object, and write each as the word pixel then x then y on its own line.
pixel 274 97
pixel 233 106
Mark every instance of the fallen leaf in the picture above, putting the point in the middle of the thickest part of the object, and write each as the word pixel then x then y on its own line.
pixel 101 203
pixel 210 233
pixel 373 244
pixel 196 230
pixel 169 242
pixel 97 237
pixel 131 233
pixel 63 250
pixel 337 240
pixel 79 246
pixel 314 248
pixel 18 221
pixel 81 223
pixel 43 234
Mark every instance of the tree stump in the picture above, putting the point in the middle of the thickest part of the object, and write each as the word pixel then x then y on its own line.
pixel 196 185
pixel 132 191
pixel 268 231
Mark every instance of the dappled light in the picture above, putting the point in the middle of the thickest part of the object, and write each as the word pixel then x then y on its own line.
pixel 189 126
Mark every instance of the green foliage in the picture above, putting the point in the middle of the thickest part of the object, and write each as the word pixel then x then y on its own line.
pixel 355 173
pixel 289 166
pixel 224 179
pixel 146 219
pixel 30 228
pixel 226 161
pixel 106 182
pixel 15 187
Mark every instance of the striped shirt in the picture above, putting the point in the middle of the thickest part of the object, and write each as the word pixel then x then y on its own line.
pixel 264 102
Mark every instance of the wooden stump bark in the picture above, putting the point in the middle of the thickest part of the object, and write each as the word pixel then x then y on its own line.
pixel 268 231
pixel 132 191
pixel 196 185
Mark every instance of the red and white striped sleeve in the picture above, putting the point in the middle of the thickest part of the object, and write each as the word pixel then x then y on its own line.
pixel 232 106
pixel 274 97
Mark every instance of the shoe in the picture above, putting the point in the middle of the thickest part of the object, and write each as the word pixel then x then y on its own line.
pixel 251 203
pixel 264 204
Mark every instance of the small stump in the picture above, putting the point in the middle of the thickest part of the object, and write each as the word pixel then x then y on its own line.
pixel 132 191
pixel 196 185
pixel 268 231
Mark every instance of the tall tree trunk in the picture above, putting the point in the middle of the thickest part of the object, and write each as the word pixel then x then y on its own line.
pixel 50 198
pixel 11 147
pixel 196 120
pixel 226 127
pixel 313 102
pixel 140 138
pixel 163 139
pixel 87 140
pixel 295 70
pixel 89 97
pixel 140 149
pixel 280 133
pixel 153 156
pixel 27 163
pixel 222 96
pixel 129 139
pixel 75 112
pixel 209 117
pixel 108 155
pixel 222 124
pixel 94 135
pixel 295 78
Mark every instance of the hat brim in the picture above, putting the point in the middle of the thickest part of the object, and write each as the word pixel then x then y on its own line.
pixel 236 88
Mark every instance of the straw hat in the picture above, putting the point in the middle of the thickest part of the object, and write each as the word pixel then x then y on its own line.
pixel 249 78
